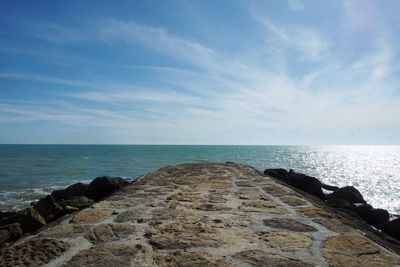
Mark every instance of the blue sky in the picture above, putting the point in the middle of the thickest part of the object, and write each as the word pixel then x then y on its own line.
pixel 200 72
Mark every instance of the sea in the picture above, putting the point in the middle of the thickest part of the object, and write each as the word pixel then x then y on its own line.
pixel 29 172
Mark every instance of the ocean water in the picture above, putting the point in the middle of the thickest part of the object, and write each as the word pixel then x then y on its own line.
pixel 28 172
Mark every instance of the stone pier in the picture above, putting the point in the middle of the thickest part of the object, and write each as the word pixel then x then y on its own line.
pixel 202 215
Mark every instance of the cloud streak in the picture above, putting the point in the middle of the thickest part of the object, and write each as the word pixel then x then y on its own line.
pixel 303 89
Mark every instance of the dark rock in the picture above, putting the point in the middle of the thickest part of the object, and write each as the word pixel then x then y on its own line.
pixel 301 181
pixel 30 219
pixel 7 214
pixel 340 203
pixel 277 173
pixel 73 190
pixel 392 228
pixel 329 187
pixel 49 208
pixel 79 202
pixel 375 217
pixel 348 193
pixel 104 186
pixel 10 232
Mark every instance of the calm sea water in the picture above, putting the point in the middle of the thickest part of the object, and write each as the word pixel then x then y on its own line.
pixel 28 172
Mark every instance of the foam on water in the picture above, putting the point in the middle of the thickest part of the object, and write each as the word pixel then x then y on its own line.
pixel 28 172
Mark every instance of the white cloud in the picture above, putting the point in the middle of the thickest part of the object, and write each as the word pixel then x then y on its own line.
pixel 308 42
pixel 229 99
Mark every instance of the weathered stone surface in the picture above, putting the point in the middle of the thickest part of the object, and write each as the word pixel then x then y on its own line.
pixel 286 241
pixel 267 206
pixel 198 215
pixel 288 224
pixel 353 250
pixel 261 259
pixel 117 204
pixel 292 200
pixel 211 207
pixel 33 253
pixel 183 241
pixel 275 190
pixel 244 184
pixel 249 194
pixel 64 231
pixel 90 216
pixel 109 254
pixel 109 232
pixel 189 259
pixel 131 215
pixel 333 225
pixel 314 212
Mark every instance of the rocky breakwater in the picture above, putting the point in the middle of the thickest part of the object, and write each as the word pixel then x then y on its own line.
pixel 347 199
pixel 202 215
pixel 13 225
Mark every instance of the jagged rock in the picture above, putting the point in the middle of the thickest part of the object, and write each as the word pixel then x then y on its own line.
pixel 10 232
pixel 348 193
pixel 29 219
pixel 277 173
pixel 340 203
pixel 35 252
pixel 79 202
pixel 6 214
pixel 375 217
pixel 301 181
pixel 392 228
pixel 49 208
pixel 77 189
pixel 104 186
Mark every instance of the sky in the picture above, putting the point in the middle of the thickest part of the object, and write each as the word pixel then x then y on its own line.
pixel 200 72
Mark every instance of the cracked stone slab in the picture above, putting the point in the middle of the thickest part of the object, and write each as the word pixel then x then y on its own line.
pixel 259 258
pixel 33 252
pixel 354 250
pixel 288 224
pixel 286 241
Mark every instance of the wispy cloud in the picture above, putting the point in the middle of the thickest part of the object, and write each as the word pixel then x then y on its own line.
pixel 308 42
pixel 308 88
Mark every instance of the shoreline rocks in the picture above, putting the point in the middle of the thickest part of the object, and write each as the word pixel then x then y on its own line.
pixel 347 198
pixel 59 203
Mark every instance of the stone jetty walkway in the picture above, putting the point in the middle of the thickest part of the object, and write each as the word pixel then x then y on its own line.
pixel 200 215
